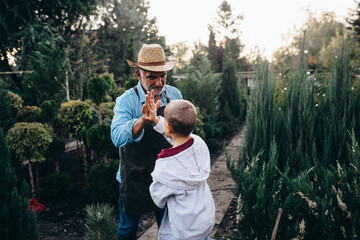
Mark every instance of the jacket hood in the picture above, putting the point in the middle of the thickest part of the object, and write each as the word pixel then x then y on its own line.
pixel 185 170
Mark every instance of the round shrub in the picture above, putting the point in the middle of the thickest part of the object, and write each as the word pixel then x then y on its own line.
pixel 103 186
pixel 98 138
pixel 28 114
pixel 56 187
pixel 49 111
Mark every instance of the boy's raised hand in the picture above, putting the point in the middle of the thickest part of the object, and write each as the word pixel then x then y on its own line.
pixel 151 108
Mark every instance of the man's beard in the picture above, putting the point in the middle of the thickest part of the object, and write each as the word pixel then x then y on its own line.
pixel 155 88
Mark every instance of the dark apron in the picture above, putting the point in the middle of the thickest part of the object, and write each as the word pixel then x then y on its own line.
pixel 137 163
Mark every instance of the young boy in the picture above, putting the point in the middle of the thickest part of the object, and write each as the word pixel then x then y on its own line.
pixel 179 178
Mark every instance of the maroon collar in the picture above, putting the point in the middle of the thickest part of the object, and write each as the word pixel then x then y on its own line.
pixel 168 152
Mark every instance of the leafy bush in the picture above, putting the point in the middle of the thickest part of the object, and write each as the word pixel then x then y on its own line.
pixel 76 116
pixel 16 102
pixel 107 109
pixel 103 187
pixel 100 222
pixel 98 138
pixel 56 187
pixel 49 111
pixel 28 114
pixel 29 142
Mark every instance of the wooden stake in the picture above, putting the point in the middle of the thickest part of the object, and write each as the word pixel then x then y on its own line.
pixel 273 236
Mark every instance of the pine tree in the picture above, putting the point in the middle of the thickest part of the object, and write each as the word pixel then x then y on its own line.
pixel 16 222
pixel 100 222
pixel 212 50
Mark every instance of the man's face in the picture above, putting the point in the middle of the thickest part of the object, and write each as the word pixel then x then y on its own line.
pixel 152 81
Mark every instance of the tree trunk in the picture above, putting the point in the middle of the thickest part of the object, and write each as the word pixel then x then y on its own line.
pixel 67 86
pixel 57 167
pixel 84 161
pixel 92 158
pixel 105 159
pixel 37 177
pixel 100 116
pixel 32 185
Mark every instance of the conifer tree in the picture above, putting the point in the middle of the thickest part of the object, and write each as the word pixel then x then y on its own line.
pixel 16 222
pixel 212 50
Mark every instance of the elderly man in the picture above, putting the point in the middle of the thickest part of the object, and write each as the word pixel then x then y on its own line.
pixel 139 142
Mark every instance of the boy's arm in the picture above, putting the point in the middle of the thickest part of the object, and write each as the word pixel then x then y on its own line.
pixel 159 127
pixel 160 193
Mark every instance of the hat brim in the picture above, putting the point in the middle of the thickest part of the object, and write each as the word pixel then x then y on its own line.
pixel 154 68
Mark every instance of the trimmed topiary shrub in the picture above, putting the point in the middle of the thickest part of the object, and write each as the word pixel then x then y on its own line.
pixel 103 187
pixel 28 114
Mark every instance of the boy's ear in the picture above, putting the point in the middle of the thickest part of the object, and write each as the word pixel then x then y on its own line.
pixel 168 127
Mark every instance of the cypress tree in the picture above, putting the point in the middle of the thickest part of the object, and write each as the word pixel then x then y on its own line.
pixel 212 50
pixel 16 222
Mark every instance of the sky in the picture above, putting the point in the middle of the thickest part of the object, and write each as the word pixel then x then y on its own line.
pixel 265 23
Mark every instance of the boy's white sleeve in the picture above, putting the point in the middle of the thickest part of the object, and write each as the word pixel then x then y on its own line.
pixel 160 193
pixel 160 128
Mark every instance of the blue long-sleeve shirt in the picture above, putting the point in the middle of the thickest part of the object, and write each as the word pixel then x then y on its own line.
pixel 128 109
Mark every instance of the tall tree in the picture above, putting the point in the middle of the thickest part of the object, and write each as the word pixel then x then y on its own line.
pixel 26 22
pixel 120 19
pixel 212 49
pixel 227 23
pixel 49 63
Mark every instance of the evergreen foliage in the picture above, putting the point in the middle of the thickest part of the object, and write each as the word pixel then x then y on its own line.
pixel 201 86
pixel 48 111
pixel 16 102
pixel 230 89
pixel 28 114
pixel 102 187
pixel 129 55
pixel 212 50
pixel 100 222
pixel 98 139
pixel 97 88
pixel 16 222
pixel 302 155
pixel 5 111
pixel 76 116
pixel 30 142
pixel 49 63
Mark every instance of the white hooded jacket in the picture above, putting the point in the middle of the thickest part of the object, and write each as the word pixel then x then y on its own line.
pixel 179 184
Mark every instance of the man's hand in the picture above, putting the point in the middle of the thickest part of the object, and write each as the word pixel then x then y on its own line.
pixel 151 108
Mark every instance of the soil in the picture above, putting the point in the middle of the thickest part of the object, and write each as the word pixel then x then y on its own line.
pixel 66 219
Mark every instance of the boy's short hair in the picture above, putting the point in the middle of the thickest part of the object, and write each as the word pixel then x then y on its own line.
pixel 182 116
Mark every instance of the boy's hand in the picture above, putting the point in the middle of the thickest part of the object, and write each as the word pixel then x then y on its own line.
pixel 151 108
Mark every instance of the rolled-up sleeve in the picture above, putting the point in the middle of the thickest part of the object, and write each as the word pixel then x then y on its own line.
pixel 122 123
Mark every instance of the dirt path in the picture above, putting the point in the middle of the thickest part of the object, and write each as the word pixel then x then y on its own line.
pixel 220 182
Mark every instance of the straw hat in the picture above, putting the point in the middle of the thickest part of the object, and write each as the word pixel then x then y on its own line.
pixel 152 58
